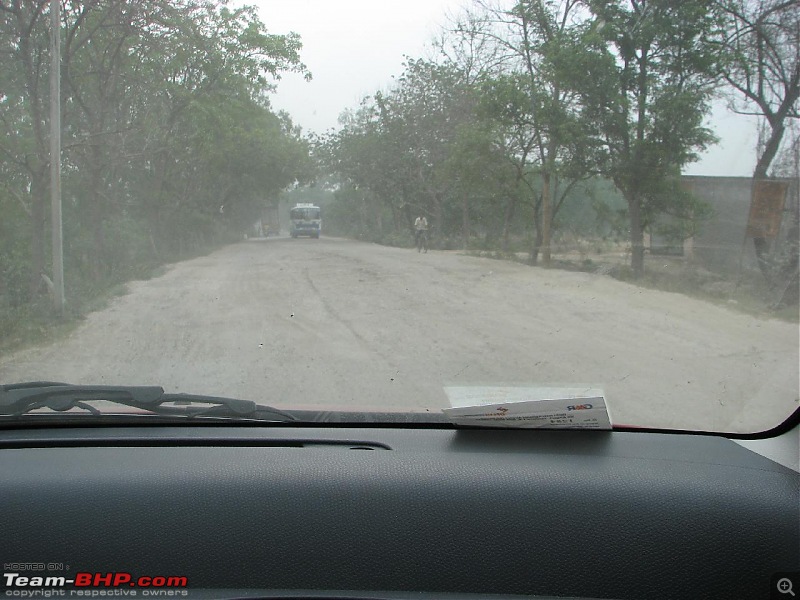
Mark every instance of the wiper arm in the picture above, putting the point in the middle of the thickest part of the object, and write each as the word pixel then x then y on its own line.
pixel 18 399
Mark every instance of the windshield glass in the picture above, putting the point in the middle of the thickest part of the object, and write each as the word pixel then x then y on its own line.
pixel 593 201
pixel 305 213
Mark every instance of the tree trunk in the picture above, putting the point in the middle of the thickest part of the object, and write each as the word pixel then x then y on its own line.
pixel 509 214
pixel 533 257
pixel 465 219
pixel 762 248
pixel 637 235
pixel 762 245
pixel 38 232
pixel 546 210
pixel 97 213
pixel 770 150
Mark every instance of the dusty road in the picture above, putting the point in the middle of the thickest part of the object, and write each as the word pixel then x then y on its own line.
pixel 341 323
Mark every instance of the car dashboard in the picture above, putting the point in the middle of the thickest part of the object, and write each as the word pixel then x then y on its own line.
pixel 389 511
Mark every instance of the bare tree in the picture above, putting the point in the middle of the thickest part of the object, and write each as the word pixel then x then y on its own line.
pixel 764 45
pixel 764 70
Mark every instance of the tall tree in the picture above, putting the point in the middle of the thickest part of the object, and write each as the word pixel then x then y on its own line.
pixel 24 35
pixel 534 41
pixel 648 86
pixel 153 93
pixel 398 144
pixel 763 44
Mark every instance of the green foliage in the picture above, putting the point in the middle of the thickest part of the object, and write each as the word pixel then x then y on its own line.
pixel 477 142
pixel 653 66
pixel 165 119
pixel 13 252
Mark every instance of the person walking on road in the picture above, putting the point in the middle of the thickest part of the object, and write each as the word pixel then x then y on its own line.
pixel 421 233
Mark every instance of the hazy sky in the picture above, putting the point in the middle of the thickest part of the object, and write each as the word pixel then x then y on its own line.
pixel 354 47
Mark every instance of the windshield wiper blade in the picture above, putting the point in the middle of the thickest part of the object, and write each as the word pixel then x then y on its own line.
pixel 19 399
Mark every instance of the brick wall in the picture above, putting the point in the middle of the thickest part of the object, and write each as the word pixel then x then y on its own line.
pixel 720 244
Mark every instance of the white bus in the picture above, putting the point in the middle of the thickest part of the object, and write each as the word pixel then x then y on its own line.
pixel 306 220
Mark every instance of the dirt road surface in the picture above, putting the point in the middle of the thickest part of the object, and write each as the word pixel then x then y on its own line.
pixel 352 325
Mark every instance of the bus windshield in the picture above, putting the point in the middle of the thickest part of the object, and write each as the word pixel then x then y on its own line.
pixel 305 213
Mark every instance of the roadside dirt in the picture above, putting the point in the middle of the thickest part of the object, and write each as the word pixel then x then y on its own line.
pixel 346 324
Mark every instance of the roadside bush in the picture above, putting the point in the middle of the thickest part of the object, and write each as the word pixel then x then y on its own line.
pixel 398 239
pixel 129 252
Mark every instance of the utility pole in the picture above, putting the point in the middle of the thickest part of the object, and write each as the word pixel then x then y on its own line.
pixel 55 155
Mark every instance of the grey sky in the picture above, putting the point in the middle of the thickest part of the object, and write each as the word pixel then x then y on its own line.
pixel 354 47
pixel 351 47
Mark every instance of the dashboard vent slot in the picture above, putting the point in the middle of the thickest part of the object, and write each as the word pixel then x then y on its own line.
pixel 180 442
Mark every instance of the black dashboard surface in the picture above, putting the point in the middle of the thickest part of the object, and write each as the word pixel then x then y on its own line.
pixel 557 513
